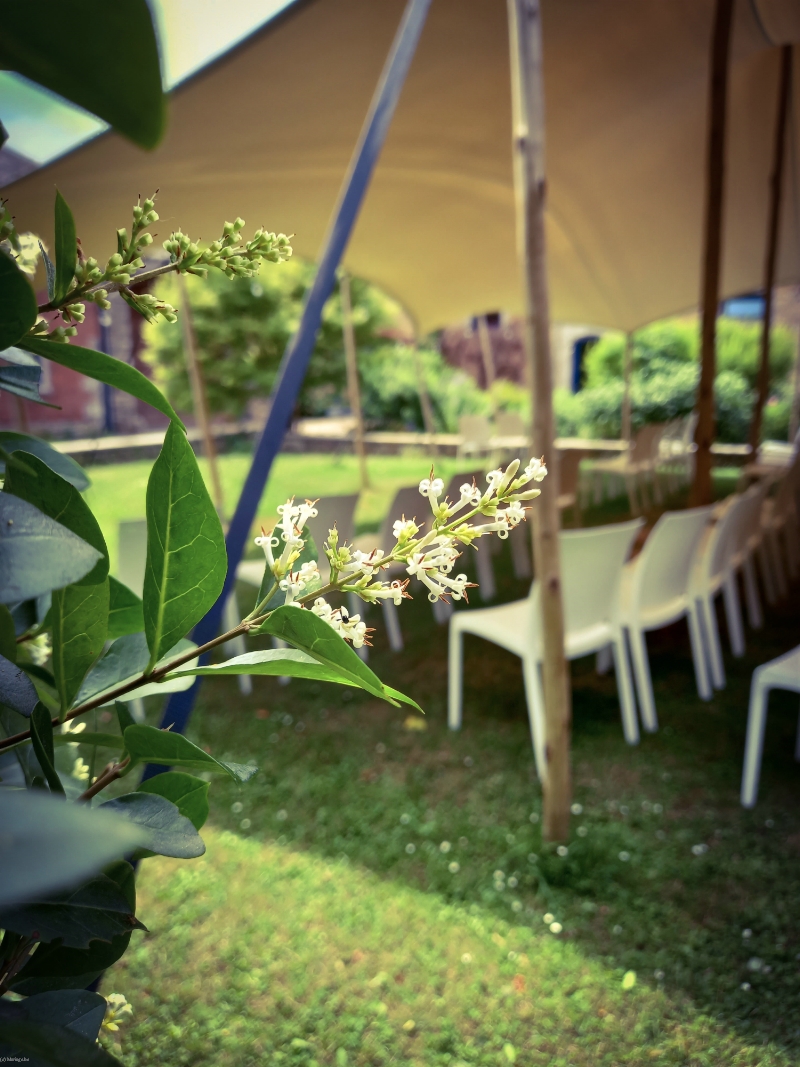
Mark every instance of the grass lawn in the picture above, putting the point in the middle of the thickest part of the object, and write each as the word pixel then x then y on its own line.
pixel 380 894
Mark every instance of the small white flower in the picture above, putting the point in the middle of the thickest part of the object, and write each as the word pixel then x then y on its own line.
pixel 512 882
pixel 411 849
pixel 658 974
pixel 548 917
pixel 404 529
pixel 454 867
pixel 445 846
pixel 556 928
pixel 562 851
pixel 699 850
pixel 747 934
pixel 577 809
pixel 405 819
pixel 117 1011
pixel 432 488
pixel 516 905
pixel 536 471
pixel 582 831
pixel 534 816
pixel 237 807
pixel 745 986
pixel 466 958
pixel 80 770
pixel 624 856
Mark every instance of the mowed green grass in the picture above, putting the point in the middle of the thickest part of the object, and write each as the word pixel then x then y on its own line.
pixel 348 882
pixel 118 491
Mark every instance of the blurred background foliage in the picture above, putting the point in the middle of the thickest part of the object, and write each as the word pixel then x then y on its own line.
pixel 243 327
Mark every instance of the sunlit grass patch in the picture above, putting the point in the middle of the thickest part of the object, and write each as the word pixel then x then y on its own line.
pixel 258 954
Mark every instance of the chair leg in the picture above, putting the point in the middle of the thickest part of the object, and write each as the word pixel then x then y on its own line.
pixel 765 564
pixel 797 742
pixel 644 683
pixel 699 655
pixel 455 677
pixel 707 615
pixel 790 535
pixel 754 744
pixel 627 703
pixel 630 485
pixel 520 538
pixel 535 701
pixel 733 614
pixel 774 549
pixel 392 624
pixel 485 569
pixel 442 610
pixel 754 614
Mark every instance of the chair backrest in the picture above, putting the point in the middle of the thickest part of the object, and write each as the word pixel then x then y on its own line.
pixel 591 570
pixel 664 566
pixel 408 502
pixel 569 465
pixel 509 424
pixel 132 555
pixel 716 551
pixel 750 523
pixel 333 510
pixel 647 442
pixel 475 429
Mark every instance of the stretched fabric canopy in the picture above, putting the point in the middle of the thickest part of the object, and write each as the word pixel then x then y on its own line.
pixel 267 131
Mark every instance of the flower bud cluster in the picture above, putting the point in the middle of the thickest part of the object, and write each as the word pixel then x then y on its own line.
pixel 428 556
pixel 228 254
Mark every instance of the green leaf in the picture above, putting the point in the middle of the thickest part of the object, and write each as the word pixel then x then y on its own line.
pixel 44 1045
pixel 77 1010
pixel 40 673
pixel 23 382
pixel 169 832
pixel 96 910
pixel 119 75
pixel 57 461
pixel 54 967
pixel 79 623
pixel 124 718
pixel 313 635
pixel 189 794
pixel 42 739
pixel 186 558
pixel 53 495
pixel 37 554
pixel 125 612
pixel 17 691
pixel 18 311
pixel 47 844
pixel 146 744
pixel 102 368
pixel 282 662
pixel 125 661
pixel 66 249
pixel 88 737
pixel 8 635
pixel 50 271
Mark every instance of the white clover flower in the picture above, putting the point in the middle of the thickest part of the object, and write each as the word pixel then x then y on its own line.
pixel 117 1011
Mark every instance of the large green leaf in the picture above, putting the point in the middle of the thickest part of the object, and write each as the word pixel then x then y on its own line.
pixel 23 382
pixel 102 368
pixel 37 554
pixel 125 612
pixel 66 248
pixel 17 691
pixel 125 660
pixel 146 744
pixel 79 622
pixel 56 497
pixel 18 310
pixel 187 793
pixel 42 739
pixel 169 832
pixel 96 910
pixel 313 635
pixel 186 558
pixel 76 1009
pixel 280 662
pixel 42 1044
pixel 55 460
pixel 46 844
pixel 118 77
pixel 54 967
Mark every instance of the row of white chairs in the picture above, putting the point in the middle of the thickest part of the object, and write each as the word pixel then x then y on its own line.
pixel 689 558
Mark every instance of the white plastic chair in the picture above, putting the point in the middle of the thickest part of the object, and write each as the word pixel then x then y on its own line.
pixel 656 592
pixel 779 525
pixel 476 435
pixel 780 673
pixel 591 569
pixel 746 542
pixel 714 573
pixel 568 474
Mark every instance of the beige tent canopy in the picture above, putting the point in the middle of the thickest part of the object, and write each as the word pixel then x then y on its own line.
pixel 267 132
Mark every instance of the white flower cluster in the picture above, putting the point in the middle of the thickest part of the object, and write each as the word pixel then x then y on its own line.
pixel 430 557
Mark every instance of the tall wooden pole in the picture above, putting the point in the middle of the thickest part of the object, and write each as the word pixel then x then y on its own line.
pixel 712 247
pixel 627 361
pixel 351 363
pixel 775 197
pixel 485 341
pixel 525 32
pixel 199 398
pixel 794 416
pixel 428 420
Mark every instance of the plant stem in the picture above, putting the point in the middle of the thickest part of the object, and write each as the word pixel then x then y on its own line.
pixel 110 287
pixel 109 775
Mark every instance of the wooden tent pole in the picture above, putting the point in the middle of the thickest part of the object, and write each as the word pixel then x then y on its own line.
pixel 627 360
pixel 199 397
pixel 712 247
pixel 775 197
pixel 428 420
pixel 525 32
pixel 351 363
pixel 794 417
pixel 485 339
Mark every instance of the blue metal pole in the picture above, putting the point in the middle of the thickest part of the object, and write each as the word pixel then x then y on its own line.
pixel 109 422
pixel 298 353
